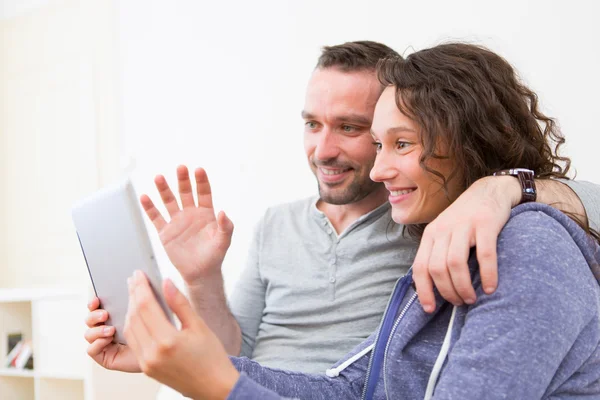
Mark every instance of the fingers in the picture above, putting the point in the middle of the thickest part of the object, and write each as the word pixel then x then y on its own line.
pixel 97 347
pixel 99 332
pixel 488 259
pixel 180 305
pixel 152 212
pixel 185 187
pixel 150 313
pixel 96 317
pixel 439 271
pixel 421 276
pixel 224 223
pixel 225 229
pixel 135 331
pixel 93 304
pixel 203 192
pixel 166 195
pixel 203 189
pixel 458 256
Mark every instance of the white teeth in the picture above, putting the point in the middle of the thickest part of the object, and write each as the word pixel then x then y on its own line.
pixel 332 171
pixel 401 192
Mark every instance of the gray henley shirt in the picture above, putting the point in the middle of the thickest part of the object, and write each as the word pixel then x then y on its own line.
pixel 306 296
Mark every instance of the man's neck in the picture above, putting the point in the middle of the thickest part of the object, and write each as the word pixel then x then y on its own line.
pixel 342 216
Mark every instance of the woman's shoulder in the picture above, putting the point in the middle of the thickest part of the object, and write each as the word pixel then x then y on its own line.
pixel 542 240
pixel 546 224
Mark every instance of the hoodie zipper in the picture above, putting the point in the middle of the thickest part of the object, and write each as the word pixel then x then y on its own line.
pixel 393 305
pixel 364 392
pixel 387 346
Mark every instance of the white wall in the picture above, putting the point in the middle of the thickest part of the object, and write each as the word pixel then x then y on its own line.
pixel 15 8
pixel 58 131
pixel 48 140
pixel 221 84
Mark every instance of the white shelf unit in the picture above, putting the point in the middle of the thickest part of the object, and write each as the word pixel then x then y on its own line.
pixel 54 320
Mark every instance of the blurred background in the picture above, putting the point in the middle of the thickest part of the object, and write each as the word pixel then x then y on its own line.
pixel 93 90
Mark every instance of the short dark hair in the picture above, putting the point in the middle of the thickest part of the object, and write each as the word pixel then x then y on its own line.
pixel 355 56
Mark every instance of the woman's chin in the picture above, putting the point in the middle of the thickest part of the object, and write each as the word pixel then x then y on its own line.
pixel 406 217
pixel 402 217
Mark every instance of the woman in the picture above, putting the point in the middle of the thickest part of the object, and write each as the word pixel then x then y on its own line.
pixel 450 115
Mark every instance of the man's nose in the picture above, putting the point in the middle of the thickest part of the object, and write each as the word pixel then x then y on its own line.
pixel 327 146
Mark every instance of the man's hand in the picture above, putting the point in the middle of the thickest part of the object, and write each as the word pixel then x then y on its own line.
pixel 475 218
pixel 114 356
pixel 191 361
pixel 194 239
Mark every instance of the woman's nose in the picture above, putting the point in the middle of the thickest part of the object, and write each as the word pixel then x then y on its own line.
pixel 382 168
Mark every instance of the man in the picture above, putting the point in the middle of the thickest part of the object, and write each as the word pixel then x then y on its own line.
pixel 320 270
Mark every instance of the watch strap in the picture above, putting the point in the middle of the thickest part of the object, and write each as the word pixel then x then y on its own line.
pixel 526 179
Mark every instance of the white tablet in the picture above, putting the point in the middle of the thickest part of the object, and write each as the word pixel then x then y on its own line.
pixel 115 243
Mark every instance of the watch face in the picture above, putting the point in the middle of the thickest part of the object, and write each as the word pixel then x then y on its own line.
pixel 516 170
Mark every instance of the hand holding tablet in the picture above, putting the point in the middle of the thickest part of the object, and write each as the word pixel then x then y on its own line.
pixel 113 238
pixel 115 243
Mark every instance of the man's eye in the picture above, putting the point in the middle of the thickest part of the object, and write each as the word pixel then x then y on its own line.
pixel 311 125
pixel 348 128
pixel 377 146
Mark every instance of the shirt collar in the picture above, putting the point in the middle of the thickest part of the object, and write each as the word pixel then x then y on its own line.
pixel 370 216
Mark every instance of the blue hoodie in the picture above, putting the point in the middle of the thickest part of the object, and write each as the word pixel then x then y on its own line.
pixel 536 337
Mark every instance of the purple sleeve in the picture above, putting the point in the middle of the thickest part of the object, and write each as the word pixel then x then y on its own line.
pixel 246 389
pixel 258 382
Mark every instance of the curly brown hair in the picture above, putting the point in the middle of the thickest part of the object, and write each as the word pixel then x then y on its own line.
pixel 469 100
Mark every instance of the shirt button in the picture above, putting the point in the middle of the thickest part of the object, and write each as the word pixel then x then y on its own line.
pixel 332 280
pixel 329 231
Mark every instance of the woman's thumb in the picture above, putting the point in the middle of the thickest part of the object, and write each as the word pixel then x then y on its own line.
pixel 178 303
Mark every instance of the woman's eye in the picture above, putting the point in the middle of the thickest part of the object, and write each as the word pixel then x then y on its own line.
pixel 402 145
pixel 377 146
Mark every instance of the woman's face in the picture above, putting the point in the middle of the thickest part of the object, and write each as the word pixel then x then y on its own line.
pixel 416 195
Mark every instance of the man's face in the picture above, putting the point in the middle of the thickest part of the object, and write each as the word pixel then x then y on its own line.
pixel 338 112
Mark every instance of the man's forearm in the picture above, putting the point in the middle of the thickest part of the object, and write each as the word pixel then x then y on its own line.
pixel 208 299
pixel 560 196
pixel 552 192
